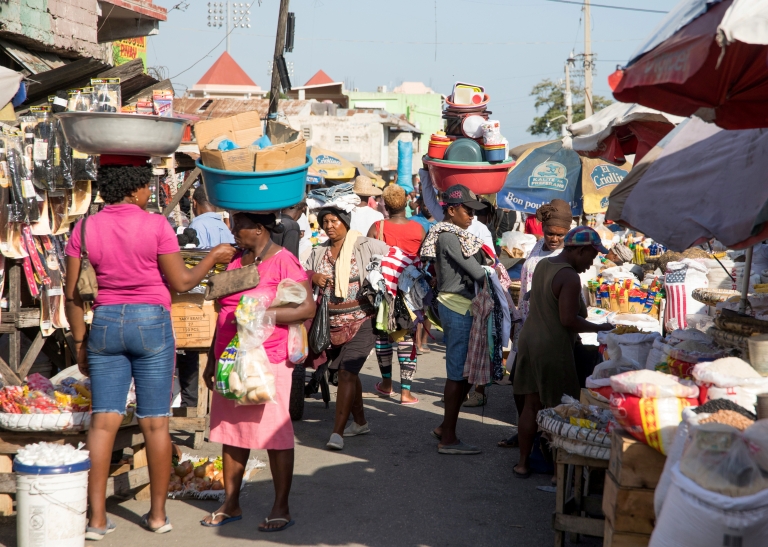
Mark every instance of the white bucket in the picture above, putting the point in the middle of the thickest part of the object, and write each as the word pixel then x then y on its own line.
pixel 51 505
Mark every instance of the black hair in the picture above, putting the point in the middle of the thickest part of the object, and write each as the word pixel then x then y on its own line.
pixel 188 236
pixel 200 196
pixel 267 220
pixel 116 182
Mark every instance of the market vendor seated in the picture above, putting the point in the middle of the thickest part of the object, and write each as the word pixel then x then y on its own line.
pixel 546 366
pixel 619 255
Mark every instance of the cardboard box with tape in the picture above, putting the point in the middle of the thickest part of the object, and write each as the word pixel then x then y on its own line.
pixel 242 129
pixel 194 320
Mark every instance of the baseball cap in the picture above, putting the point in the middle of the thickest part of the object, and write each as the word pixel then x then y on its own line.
pixel 583 236
pixel 458 194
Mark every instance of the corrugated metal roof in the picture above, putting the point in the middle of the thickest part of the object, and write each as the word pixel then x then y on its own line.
pixel 223 108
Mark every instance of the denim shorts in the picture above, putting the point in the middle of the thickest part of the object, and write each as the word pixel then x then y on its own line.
pixel 132 341
pixel 456 329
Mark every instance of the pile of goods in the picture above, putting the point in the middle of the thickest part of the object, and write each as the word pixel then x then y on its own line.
pixel 38 405
pixel 50 455
pixel 626 296
pixel 197 476
pixel 471 151
pixel 192 258
pixel 578 428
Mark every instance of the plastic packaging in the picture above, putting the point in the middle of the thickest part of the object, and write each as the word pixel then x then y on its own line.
pixel 41 148
pixel 106 95
pixel 23 207
pixel 520 241
pixel 227 145
pixel 80 100
pixel 51 454
pixel 298 345
pixel 289 292
pixel 252 379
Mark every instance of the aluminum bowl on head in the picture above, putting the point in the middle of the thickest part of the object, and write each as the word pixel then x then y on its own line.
pixel 127 134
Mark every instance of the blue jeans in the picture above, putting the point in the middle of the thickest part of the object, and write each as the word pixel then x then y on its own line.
pixel 131 341
pixel 456 329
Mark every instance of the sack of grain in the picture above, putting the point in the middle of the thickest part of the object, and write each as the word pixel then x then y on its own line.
pixel 658 354
pixel 730 378
pixel 634 346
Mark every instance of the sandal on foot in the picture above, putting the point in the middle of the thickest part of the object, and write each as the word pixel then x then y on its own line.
pixel 222 522
pixel 512 442
pixel 382 392
pixel 413 402
pixel 164 529
pixel 519 475
pixel 459 449
pixel 97 534
pixel 288 524
pixel 436 435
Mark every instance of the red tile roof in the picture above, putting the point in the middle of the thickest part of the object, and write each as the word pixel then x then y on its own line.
pixel 225 71
pixel 320 78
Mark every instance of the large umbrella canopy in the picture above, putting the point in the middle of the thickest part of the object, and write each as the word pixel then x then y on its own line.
pixel 707 57
pixel 331 165
pixel 699 182
pixel 619 130
pixel 540 175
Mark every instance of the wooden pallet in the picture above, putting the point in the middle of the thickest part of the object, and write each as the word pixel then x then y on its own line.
pixel 124 479
pixel 634 471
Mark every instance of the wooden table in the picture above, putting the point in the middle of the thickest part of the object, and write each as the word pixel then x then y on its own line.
pixel 124 479
pixel 195 420
pixel 569 510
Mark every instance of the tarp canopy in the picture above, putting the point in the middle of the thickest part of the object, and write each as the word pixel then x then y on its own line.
pixel 619 130
pixel 699 182
pixel 331 165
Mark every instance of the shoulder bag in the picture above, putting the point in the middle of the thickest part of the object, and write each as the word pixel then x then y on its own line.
pixel 87 286
pixel 235 281
pixel 319 335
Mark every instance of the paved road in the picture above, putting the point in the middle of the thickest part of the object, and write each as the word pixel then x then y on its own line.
pixel 389 488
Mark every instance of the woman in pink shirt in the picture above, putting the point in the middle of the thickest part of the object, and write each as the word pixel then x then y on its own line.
pixel 134 254
pixel 240 428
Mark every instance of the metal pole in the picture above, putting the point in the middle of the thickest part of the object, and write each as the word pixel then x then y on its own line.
pixel 274 91
pixel 745 281
pixel 229 22
pixel 587 62
pixel 568 98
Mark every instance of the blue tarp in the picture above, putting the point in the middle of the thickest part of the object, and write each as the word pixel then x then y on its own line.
pixel 545 173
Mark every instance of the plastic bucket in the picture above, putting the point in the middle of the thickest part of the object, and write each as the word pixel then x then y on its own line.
pixel 255 190
pixel 51 505
pixel 436 150
pixel 758 353
pixel 494 154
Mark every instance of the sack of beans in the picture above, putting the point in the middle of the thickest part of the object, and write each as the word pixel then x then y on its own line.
pixel 649 404
pixel 730 378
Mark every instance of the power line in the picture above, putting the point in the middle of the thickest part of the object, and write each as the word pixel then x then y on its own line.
pixel 607 6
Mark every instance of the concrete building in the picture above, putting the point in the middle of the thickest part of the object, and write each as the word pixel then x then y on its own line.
pixel 226 80
pixel 420 105
pixel 320 87
pixel 39 35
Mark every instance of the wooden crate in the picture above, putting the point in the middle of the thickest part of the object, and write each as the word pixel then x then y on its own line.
pixel 622 539
pixel 628 509
pixel 634 464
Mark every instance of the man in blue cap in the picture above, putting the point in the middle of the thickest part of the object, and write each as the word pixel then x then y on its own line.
pixel 546 367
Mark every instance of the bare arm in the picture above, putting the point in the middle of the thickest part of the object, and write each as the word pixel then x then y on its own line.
pixel 566 286
pixel 296 313
pixel 373 230
pixel 183 279
pixel 75 311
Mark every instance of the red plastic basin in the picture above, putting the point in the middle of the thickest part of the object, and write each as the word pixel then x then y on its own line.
pixel 481 177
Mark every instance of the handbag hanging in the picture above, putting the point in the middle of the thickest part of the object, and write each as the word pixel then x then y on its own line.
pixel 320 332
pixel 87 286
pixel 235 281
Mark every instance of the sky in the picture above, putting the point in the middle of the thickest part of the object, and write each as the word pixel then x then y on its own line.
pixel 507 46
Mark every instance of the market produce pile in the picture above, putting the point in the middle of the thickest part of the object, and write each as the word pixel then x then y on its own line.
pixel 626 296
pixel 197 476
pixel 39 396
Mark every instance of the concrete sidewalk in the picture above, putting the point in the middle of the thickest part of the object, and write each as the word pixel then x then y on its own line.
pixel 387 489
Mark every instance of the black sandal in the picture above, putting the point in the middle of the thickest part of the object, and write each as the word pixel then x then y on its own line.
pixel 519 475
pixel 512 442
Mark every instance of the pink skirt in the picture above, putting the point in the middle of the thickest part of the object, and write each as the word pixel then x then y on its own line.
pixel 264 427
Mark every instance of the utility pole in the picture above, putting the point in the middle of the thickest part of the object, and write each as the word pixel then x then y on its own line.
pixel 587 61
pixel 229 22
pixel 568 96
pixel 274 91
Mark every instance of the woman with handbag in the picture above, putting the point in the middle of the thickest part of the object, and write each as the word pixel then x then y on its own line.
pixel 123 259
pixel 240 428
pixel 407 235
pixel 338 268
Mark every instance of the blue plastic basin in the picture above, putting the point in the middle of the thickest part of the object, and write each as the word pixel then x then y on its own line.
pixel 255 191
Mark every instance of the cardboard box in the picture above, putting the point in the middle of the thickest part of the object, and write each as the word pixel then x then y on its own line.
pixel 242 129
pixel 194 320
pixel 281 156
